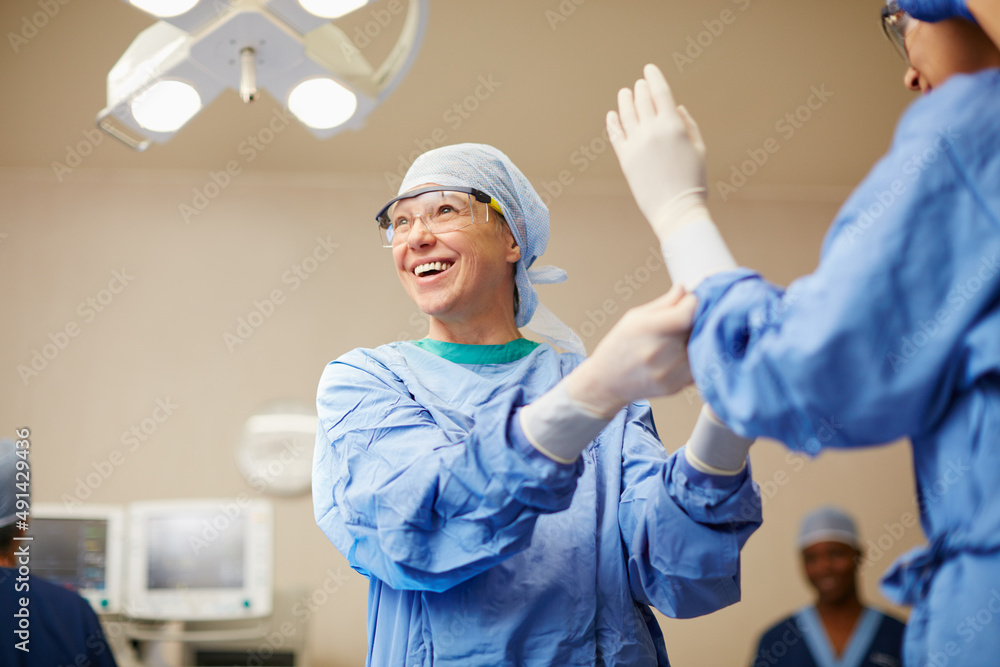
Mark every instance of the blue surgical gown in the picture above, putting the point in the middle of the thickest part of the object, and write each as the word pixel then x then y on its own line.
pixel 896 334
pixel 480 550
pixel 800 640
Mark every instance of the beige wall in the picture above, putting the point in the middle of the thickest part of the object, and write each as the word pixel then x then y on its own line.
pixel 162 337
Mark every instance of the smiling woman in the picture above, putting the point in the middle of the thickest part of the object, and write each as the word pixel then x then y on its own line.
pixel 510 504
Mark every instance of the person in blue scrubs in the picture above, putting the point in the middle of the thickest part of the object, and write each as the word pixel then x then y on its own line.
pixel 838 630
pixel 41 624
pixel 511 504
pixel 897 332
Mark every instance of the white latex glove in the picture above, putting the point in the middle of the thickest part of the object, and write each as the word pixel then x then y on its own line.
pixel 713 448
pixel 661 153
pixel 643 356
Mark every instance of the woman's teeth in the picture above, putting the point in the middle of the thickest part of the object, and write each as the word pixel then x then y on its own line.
pixel 431 267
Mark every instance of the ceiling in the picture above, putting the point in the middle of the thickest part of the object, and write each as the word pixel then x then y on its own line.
pixel 553 68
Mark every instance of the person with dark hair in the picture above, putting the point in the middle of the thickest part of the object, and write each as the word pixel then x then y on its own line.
pixel 41 624
pixel 838 629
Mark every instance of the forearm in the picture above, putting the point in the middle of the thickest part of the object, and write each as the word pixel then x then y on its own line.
pixel 987 12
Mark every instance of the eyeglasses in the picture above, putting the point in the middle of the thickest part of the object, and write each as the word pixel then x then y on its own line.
pixel 442 209
pixel 894 24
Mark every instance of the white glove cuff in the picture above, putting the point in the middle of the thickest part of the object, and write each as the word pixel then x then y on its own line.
pixel 558 426
pixel 684 208
pixel 715 450
pixel 695 252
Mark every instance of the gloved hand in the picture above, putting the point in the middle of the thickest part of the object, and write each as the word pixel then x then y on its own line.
pixel 661 153
pixel 643 356
pixel 936 10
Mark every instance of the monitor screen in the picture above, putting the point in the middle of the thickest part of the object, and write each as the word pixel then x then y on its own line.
pixel 200 559
pixel 174 563
pixel 79 549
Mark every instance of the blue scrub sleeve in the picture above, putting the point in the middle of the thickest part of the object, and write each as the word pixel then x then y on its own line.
pixel 417 506
pixel 870 347
pixel 682 529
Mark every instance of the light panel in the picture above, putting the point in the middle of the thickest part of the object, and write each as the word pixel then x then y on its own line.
pixel 166 106
pixel 322 103
pixel 332 9
pixel 164 8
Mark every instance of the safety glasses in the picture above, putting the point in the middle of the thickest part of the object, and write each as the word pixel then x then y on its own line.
pixel 894 24
pixel 441 208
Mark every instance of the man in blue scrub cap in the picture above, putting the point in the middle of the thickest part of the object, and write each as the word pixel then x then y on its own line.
pixel 511 504
pixel 838 629
pixel 896 334
pixel 41 624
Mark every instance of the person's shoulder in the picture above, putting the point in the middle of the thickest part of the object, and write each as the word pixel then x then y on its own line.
pixel 567 360
pixel 368 359
pixel 963 103
pixel 779 628
pixel 890 622
pixel 59 597
pixel 361 354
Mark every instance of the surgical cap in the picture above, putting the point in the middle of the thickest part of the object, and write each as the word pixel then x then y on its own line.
pixel 487 169
pixel 828 524
pixel 8 481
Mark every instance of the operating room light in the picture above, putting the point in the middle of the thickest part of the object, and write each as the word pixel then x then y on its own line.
pixel 166 106
pixel 164 8
pixel 322 103
pixel 197 49
pixel 332 9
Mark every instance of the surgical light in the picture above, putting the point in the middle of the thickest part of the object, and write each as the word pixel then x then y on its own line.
pixel 180 64
pixel 322 103
pixel 332 9
pixel 164 8
pixel 166 106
